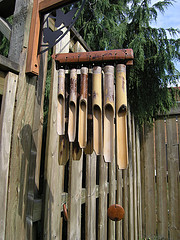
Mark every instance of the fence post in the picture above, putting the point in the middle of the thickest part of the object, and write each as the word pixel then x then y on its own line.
pixel 161 170
pixel 139 179
pixel 131 193
pixel 173 178
pixel 134 177
pixel 149 182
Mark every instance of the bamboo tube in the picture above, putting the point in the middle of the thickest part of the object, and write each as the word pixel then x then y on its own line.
pixel 61 103
pixel 82 127
pixel 97 109
pixel 89 147
pixel 108 113
pixel 72 105
pixel 63 150
pixel 121 113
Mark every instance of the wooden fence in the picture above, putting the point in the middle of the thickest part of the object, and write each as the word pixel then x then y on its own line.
pixel 33 209
pixel 148 189
pixel 88 186
pixel 160 178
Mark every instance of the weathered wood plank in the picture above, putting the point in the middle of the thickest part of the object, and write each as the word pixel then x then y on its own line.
pixel 5 28
pixel 20 158
pixel 2 82
pixel 48 5
pixel 142 143
pixel 7 65
pixel 90 216
pixel 22 129
pixel 102 211
pixel 20 30
pixel 119 201
pixel 27 160
pixel 131 193
pixel 64 195
pixel 173 178
pixel 38 116
pixel 80 39
pixel 6 124
pixel 134 177
pixel 112 196
pixel 161 170
pixel 126 204
pixel 78 47
pixel 54 174
pixel 139 200
pixel 149 183
pixel 74 197
pixel 37 210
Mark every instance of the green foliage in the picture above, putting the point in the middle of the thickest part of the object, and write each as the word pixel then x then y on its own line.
pixel 47 88
pixel 126 24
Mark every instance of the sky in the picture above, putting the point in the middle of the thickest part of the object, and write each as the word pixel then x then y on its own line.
pixel 170 18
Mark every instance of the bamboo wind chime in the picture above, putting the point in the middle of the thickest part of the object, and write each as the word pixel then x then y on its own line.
pixel 105 72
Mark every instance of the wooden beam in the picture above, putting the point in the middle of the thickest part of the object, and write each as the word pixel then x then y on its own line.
pixel 49 5
pixel 7 65
pixel 5 28
pixel 32 65
pixel 80 39
pixel 117 55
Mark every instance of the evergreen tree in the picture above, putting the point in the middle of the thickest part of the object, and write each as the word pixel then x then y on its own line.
pixel 126 24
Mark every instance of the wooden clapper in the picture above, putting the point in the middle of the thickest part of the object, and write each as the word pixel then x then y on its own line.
pixel 109 103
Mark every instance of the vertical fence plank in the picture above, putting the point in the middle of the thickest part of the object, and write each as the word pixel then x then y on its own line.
pixel 102 211
pixel 20 149
pixel 162 213
pixel 134 178
pixel 20 158
pixel 119 201
pixel 131 194
pixel 36 144
pixel 126 204
pixel 179 165
pixel 173 178
pixel 139 201
pixel 6 123
pixel 142 153
pixel 112 197
pixel 90 226
pixel 74 197
pixel 54 174
pixel 39 115
pixel 149 183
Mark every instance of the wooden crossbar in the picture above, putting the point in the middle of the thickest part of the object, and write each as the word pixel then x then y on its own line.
pixel 118 55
